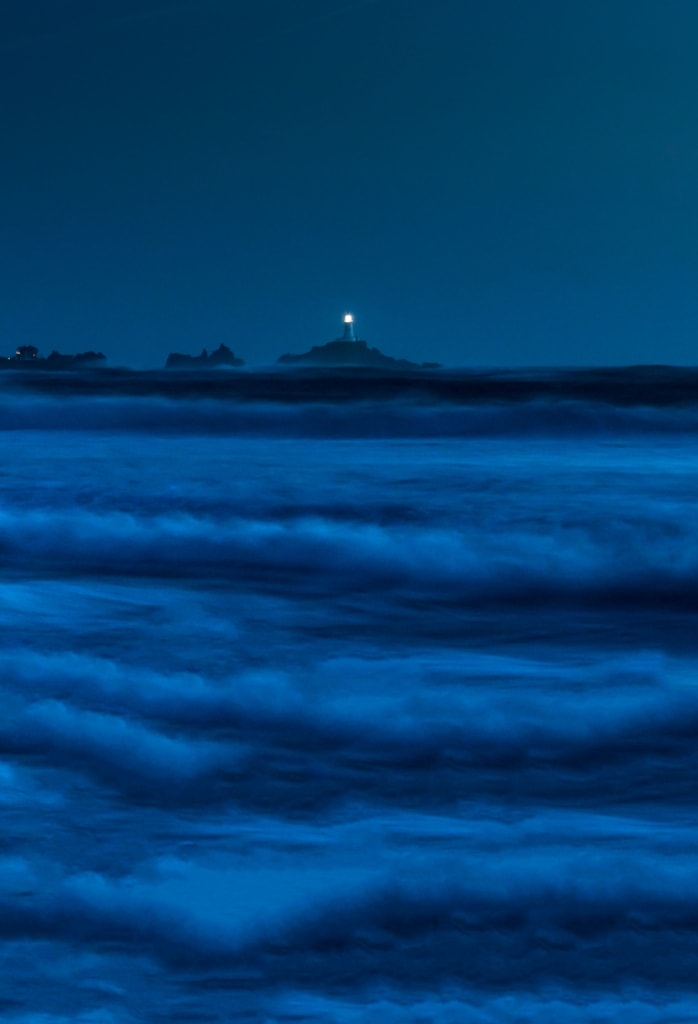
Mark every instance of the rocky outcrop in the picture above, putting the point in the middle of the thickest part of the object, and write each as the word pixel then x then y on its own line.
pixel 222 356
pixel 27 357
pixel 351 353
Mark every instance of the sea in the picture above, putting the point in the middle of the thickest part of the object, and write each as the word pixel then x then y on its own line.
pixel 346 696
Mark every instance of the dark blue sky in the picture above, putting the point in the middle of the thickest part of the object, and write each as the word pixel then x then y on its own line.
pixel 479 182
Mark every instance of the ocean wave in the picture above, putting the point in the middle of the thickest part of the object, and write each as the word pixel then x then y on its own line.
pixel 319 729
pixel 630 562
pixel 391 418
pixel 300 744
pixel 600 921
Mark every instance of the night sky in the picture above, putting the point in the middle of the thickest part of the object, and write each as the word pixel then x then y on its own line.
pixel 479 182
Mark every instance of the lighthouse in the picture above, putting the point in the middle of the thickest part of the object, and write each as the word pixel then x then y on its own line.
pixel 348 328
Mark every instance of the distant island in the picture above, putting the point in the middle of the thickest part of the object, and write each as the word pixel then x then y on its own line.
pixel 354 353
pixel 351 351
pixel 222 356
pixel 347 351
pixel 27 357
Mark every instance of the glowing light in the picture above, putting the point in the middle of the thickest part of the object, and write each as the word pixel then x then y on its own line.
pixel 348 318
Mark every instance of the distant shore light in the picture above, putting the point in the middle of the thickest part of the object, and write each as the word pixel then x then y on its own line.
pixel 348 318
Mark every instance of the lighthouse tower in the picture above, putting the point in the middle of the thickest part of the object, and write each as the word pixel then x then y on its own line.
pixel 348 328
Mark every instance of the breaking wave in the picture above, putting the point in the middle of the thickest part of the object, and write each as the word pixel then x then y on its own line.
pixel 333 707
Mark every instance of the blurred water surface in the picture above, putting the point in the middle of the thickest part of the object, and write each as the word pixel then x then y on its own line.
pixel 310 726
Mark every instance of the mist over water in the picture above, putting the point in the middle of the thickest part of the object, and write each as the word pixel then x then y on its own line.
pixel 347 698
